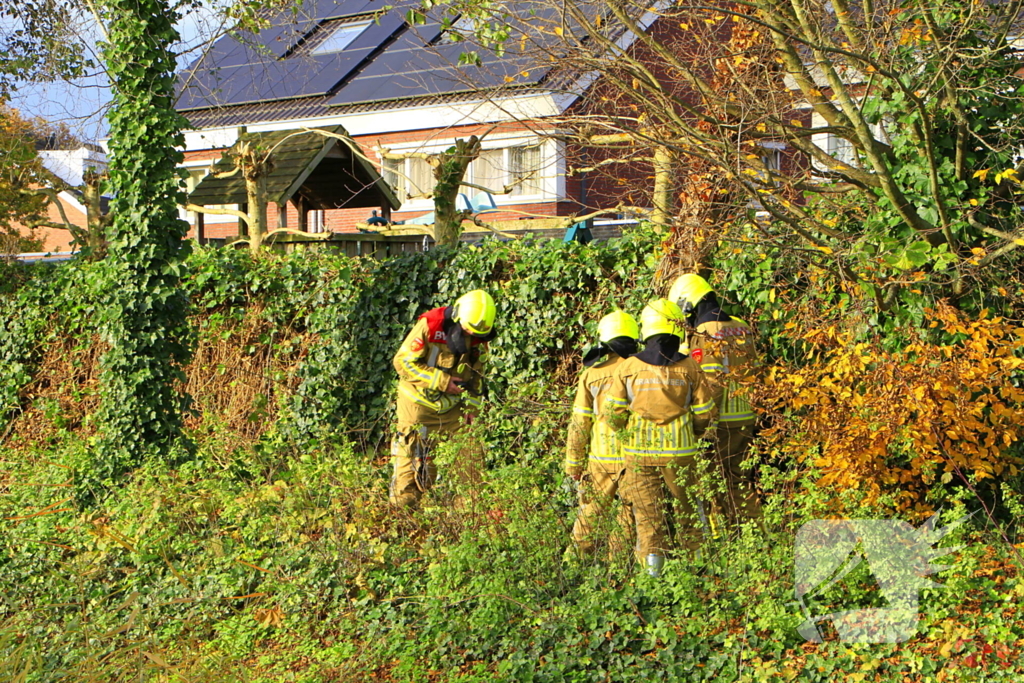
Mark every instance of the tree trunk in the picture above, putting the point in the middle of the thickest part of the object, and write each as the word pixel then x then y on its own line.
pixel 662 188
pixel 256 190
pixel 144 307
pixel 449 169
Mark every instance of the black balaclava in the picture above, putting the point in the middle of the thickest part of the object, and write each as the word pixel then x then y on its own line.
pixel 456 338
pixel 661 349
pixel 708 310
pixel 622 346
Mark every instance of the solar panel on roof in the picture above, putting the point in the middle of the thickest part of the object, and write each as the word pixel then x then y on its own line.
pixel 224 53
pixel 415 62
pixel 382 29
pixel 244 72
pixel 415 37
pixel 329 9
pixel 318 77
pixel 412 72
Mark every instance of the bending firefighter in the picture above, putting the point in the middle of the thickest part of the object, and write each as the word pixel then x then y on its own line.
pixel 441 387
pixel 661 403
pixel 593 455
pixel 724 348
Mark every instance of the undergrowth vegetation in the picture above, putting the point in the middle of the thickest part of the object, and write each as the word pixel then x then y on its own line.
pixel 269 553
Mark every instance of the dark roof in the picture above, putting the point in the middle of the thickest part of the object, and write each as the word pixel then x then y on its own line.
pixel 278 74
pixel 319 168
pixel 306 108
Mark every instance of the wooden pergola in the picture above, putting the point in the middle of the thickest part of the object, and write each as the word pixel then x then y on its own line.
pixel 313 168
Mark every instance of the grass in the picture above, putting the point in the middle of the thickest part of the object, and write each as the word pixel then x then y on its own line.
pixel 266 565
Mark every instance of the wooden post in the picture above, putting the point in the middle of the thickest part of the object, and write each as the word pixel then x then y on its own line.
pixel 299 202
pixel 201 227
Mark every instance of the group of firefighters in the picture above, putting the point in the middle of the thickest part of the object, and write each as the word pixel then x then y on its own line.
pixel 660 413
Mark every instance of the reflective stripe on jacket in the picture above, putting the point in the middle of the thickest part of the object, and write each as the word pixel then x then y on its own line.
pixel 590 437
pixel 425 365
pixel 660 410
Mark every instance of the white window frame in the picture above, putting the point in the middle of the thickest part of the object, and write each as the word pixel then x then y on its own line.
pixel 317 50
pixel 840 148
pixel 552 168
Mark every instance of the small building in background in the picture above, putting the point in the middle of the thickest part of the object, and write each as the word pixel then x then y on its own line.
pixel 68 168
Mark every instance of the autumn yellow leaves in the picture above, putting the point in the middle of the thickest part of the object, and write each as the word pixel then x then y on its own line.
pixel 899 421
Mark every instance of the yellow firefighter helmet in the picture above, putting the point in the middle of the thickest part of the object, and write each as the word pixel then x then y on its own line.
pixel 688 290
pixel 617 324
pixel 475 312
pixel 661 316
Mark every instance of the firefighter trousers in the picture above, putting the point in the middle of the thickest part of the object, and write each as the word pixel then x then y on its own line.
pixel 739 501
pixel 646 490
pixel 415 470
pixel 594 524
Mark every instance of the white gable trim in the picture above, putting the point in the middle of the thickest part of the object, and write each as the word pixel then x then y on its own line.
pixel 398 120
pixel 72 201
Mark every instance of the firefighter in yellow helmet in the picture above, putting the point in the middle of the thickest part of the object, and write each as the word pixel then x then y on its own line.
pixel 593 455
pixel 661 403
pixel 724 348
pixel 440 388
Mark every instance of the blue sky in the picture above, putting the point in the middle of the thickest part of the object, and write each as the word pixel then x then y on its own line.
pixel 82 104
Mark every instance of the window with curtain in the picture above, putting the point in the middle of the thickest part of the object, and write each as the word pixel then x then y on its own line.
pixel 487 170
pixel 493 169
pixel 524 163
pixel 842 149
pixel 394 175
pixel 420 174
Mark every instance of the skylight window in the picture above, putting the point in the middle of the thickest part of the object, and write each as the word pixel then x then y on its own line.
pixel 460 30
pixel 338 36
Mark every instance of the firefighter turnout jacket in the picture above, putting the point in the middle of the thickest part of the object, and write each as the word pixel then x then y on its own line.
pixel 663 409
pixel 590 436
pixel 726 354
pixel 425 365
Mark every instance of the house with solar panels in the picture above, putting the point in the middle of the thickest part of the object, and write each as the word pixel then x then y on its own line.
pixel 377 81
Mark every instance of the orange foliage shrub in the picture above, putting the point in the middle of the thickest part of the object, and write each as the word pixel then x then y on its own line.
pixel 893 423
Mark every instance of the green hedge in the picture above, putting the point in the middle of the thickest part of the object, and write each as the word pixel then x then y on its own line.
pixel 357 312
